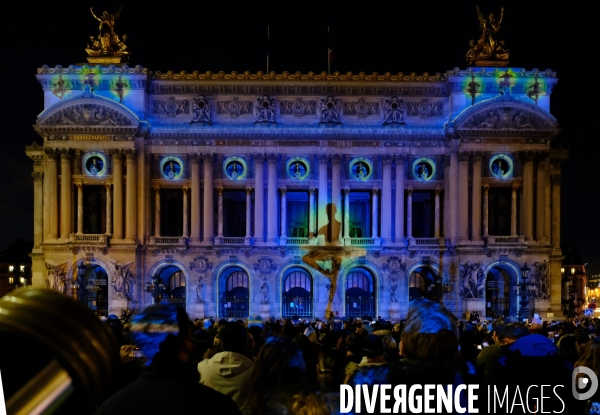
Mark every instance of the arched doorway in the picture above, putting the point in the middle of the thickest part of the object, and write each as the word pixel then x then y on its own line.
pixel 421 283
pixel 360 293
pixel 234 299
pixel 174 280
pixel 296 297
pixel 501 290
pixel 93 289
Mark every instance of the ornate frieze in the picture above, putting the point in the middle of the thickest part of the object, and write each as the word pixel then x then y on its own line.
pixel 506 118
pixel 330 108
pixel 298 107
pixel 234 107
pixel 393 111
pixel 424 108
pixel 202 109
pixel 88 114
pixel 362 108
pixel 171 107
pixel 264 110
pixel 98 69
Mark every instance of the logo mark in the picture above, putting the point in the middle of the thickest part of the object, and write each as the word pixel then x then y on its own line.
pixel 582 383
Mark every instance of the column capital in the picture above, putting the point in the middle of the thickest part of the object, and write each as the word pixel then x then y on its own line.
pixel 207 158
pixel 185 190
pixel 542 156
pixel 409 191
pixel 386 159
pixel 220 191
pixel 79 186
pixel 463 156
pixel 195 158
pixel 37 176
pixel 346 191
pixel 117 153
pixel 527 156
pixel 374 191
pixel 400 158
pixel 311 190
pixel 282 190
pixel 258 158
pixel 556 179
pixel 515 187
pixel 486 188
pixel 272 159
pixel 66 154
pixel 437 191
pixel 248 190
pixel 478 156
pixel 52 153
pixel 108 186
pixel 323 158
pixel 130 154
pixel 336 159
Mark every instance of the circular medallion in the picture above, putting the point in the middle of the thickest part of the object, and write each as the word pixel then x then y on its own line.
pixel 200 264
pixel 361 169
pixel 95 164
pixel 501 166
pixel 297 168
pixel 423 169
pixel 298 108
pixel 171 168
pixel 235 168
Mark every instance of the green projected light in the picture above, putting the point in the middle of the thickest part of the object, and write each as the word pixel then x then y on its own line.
pixel 423 169
pixel 235 168
pixel 298 168
pixel 361 169
pixel 171 168
pixel 501 166
pixel 95 164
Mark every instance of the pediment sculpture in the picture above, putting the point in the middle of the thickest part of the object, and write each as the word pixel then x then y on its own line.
pixel 506 118
pixel 88 114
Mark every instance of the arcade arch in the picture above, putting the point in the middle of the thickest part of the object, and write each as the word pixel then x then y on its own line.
pixel 297 293
pixel 234 292
pixel 360 288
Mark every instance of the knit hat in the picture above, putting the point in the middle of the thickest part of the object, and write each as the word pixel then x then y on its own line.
pixel 255 320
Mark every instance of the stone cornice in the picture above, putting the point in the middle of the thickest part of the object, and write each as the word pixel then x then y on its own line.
pixel 497 72
pixel 86 69
pixel 296 77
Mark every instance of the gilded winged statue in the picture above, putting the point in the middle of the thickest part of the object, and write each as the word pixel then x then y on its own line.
pixel 488 47
pixel 107 43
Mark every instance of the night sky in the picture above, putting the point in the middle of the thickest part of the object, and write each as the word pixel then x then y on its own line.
pixel 368 36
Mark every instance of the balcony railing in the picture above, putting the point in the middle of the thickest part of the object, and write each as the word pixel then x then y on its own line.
pixel 89 238
pixel 230 240
pixel 168 240
pixel 427 241
pixel 505 240
pixel 362 241
pixel 297 241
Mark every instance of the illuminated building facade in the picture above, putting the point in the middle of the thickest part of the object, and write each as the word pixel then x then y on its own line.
pixel 297 194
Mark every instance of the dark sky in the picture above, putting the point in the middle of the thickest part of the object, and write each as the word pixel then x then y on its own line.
pixel 369 36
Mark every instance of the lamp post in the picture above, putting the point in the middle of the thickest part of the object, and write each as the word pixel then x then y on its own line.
pixel 524 292
pixel 156 289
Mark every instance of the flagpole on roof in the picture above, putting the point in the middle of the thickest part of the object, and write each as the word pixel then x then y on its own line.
pixel 328 54
pixel 267 48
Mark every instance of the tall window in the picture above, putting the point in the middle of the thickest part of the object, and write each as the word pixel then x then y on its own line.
pixel 297 296
pixel 234 300
pixel 360 294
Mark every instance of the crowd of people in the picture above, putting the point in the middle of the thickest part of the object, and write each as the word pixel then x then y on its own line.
pixel 296 366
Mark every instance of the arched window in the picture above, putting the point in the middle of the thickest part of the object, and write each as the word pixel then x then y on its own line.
pixel 174 279
pixel 297 299
pixel 234 299
pixel 93 289
pixel 360 294
pixel 421 283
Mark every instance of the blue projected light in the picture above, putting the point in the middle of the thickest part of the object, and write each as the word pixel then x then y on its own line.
pixel 171 168
pixel 501 166
pixel 361 169
pixel 423 169
pixel 235 168
pixel 298 168
pixel 95 164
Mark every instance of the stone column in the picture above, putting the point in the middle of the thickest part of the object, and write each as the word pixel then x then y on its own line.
pixel 476 198
pixel 446 197
pixel 185 213
pixel 208 200
pixel 375 214
pixel 65 194
pixel 108 210
pixel 220 215
pixel 283 237
pixel 117 194
pixel 248 237
pixel 157 212
pixel 453 199
pixel 51 181
pixel 311 213
pixel 528 195
pixel 38 208
pixel 131 199
pixel 437 213
pixel 386 200
pixel 79 209
pixel 399 214
pixel 259 199
pixel 322 219
pixel 486 211
pixel 556 179
pixel 195 195
pixel 463 195
pixel 547 204
pixel 409 214
pixel 540 222
pixel 347 240
pixel 272 200
pixel 513 212
pixel 336 198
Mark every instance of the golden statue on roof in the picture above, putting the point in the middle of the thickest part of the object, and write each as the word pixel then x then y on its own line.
pixel 488 50
pixel 107 47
